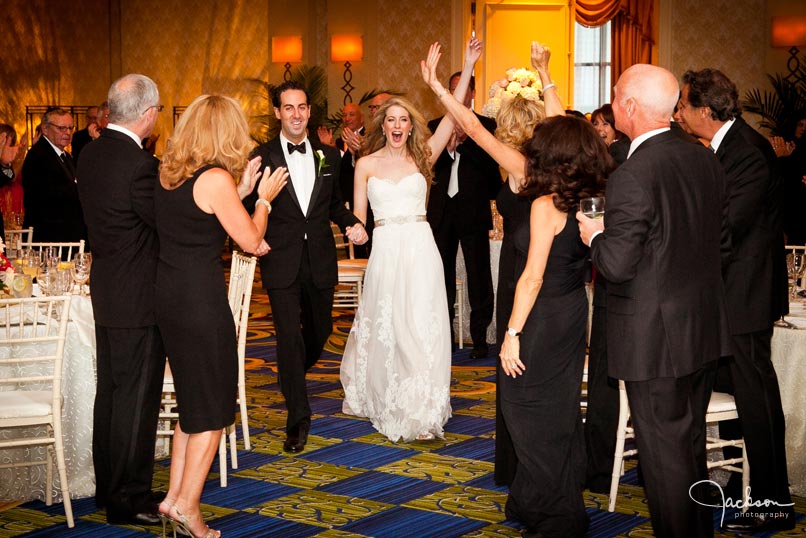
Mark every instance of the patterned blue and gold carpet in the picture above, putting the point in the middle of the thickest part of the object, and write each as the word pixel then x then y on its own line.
pixel 350 481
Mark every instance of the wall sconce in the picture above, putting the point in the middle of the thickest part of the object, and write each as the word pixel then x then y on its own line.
pixel 789 31
pixel 347 48
pixel 286 49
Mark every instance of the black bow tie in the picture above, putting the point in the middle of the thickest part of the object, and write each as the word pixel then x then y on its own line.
pixel 292 148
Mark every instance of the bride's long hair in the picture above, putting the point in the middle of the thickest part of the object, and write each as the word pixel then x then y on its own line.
pixel 416 144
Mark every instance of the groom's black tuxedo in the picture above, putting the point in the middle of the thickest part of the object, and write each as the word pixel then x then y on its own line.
pixel 300 271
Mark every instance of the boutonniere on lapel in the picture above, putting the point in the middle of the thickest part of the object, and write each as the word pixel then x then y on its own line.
pixel 321 164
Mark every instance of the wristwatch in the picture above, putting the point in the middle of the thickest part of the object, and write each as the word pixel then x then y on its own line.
pixel 513 332
pixel 263 201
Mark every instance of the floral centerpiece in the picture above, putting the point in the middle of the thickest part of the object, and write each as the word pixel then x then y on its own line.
pixel 518 82
pixel 6 269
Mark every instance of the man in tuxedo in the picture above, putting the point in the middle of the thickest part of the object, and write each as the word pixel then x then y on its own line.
pixel 659 249
pixel 51 199
pixel 116 184
pixel 466 179
pixel 300 271
pixel 755 285
pixel 82 137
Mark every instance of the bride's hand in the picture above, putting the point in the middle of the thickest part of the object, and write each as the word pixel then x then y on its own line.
pixel 428 68
pixel 472 52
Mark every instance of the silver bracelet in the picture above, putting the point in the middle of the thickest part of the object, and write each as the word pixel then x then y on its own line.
pixel 263 201
pixel 549 85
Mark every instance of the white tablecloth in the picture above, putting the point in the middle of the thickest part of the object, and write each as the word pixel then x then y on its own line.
pixel 78 391
pixel 461 273
pixel 789 359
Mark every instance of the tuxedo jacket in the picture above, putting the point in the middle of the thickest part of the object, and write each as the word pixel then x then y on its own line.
pixel 660 254
pixel 116 182
pixel 288 227
pixel 752 287
pixel 80 139
pixel 479 182
pixel 347 171
pixel 50 197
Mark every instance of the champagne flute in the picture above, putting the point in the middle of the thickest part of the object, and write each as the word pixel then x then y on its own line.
pixel 81 270
pixel 593 208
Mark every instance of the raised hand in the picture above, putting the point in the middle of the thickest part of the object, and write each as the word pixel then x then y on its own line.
pixel 250 175
pixel 472 52
pixel 271 186
pixel 325 136
pixel 540 56
pixel 428 68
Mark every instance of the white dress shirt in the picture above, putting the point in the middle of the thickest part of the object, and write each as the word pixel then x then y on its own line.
pixel 301 171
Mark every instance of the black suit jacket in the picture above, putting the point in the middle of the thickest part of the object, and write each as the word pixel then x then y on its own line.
pixel 660 254
pixel 116 182
pixel 479 182
pixel 753 287
pixel 80 139
pixel 288 226
pixel 50 198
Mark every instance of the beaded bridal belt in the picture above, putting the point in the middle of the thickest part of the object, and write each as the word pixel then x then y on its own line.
pixel 403 219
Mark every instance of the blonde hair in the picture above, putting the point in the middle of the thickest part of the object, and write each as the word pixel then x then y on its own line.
pixel 516 121
pixel 212 130
pixel 416 144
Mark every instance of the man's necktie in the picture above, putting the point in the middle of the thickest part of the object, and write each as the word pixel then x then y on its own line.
pixel 68 163
pixel 453 181
pixel 298 147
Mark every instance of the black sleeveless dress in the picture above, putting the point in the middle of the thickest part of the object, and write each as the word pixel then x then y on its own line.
pixel 192 310
pixel 515 210
pixel 541 407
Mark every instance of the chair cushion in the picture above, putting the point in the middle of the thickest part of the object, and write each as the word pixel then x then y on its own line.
pixel 25 403
pixel 721 402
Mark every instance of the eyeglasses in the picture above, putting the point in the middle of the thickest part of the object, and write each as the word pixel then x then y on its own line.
pixel 63 128
pixel 158 107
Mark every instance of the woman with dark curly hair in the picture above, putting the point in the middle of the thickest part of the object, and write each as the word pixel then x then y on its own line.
pixel 565 161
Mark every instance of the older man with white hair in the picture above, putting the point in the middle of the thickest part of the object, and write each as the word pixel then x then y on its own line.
pixel 659 249
pixel 116 184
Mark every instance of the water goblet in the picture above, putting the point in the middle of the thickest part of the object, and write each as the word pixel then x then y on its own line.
pixel 795 266
pixel 81 270
pixel 593 208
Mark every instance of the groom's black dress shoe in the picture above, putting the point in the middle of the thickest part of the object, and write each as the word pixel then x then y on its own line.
pixel 480 351
pixel 297 436
pixel 763 523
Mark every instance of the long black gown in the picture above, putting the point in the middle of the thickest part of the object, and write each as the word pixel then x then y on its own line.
pixel 541 406
pixel 515 211
pixel 192 310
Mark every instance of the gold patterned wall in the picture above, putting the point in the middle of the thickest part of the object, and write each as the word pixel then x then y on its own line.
pixel 730 35
pixel 68 53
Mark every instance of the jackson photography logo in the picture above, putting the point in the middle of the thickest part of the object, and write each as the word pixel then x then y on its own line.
pixel 728 502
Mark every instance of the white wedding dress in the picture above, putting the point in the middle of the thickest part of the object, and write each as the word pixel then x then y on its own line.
pixel 396 368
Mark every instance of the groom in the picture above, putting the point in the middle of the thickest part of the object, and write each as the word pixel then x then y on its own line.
pixel 300 271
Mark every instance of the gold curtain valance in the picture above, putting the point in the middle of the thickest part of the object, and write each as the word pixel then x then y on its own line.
pixel 596 12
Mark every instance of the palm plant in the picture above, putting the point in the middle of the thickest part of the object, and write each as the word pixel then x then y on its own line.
pixel 780 107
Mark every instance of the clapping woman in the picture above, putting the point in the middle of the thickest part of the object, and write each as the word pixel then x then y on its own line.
pixel 204 174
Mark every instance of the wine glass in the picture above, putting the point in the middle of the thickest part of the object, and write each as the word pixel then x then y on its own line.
pixel 593 208
pixel 795 266
pixel 81 270
pixel 29 261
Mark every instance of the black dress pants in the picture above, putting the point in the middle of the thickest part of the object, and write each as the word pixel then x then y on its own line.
pixel 479 285
pixel 130 370
pixel 302 315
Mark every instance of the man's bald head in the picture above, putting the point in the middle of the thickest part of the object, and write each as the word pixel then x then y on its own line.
pixel 352 116
pixel 645 98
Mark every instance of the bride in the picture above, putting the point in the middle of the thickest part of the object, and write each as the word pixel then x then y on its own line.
pixel 396 369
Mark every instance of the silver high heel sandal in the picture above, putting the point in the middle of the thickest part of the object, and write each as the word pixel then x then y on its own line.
pixel 165 518
pixel 183 524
